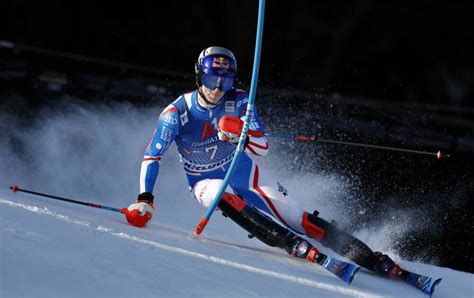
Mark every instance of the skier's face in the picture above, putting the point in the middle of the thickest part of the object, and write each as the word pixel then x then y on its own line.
pixel 213 95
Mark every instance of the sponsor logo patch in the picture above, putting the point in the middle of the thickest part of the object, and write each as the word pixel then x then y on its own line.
pixel 207 131
pixel 220 62
pixel 206 167
pixel 170 120
pixel 184 118
pixel 166 134
pixel 206 142
pixel 229 107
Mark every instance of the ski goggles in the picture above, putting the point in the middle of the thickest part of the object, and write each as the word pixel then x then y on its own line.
pixel 211 81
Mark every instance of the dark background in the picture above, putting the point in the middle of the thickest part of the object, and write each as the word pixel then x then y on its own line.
pixel 418 51
pixel 379 72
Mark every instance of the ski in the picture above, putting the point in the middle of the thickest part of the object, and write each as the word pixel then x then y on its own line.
pixel 345 271
pixel 424 283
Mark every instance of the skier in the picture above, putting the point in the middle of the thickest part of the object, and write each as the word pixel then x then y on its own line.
pixel 206 125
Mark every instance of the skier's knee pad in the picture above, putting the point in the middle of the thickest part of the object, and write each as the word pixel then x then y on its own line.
pixel 236 202
pixel 311 228
pixel 323 231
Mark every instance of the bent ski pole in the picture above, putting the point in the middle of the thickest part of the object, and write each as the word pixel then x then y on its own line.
pixel 313 138
pixel 240 147
pixel 15 188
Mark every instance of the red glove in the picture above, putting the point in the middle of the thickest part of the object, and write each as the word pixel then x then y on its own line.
pixel 139 213
pixel 230 128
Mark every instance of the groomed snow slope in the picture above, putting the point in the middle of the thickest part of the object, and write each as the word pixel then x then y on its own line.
pixel 55 249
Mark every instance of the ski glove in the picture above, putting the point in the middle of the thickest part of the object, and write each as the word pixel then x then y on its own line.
pixel 140 212
pixel 229 129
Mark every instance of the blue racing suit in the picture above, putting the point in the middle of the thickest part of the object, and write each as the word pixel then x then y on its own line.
pixel 206 159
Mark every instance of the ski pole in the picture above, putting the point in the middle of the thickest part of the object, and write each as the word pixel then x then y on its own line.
pixel 15 188
pixel 313 138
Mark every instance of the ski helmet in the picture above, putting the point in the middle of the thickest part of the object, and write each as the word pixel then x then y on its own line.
pixel 216 67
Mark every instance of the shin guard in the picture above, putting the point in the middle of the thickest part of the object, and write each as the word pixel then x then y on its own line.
pixel 341 242
pixel 265 228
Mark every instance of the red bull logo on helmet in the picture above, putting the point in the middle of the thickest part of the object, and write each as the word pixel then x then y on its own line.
pixel 221 62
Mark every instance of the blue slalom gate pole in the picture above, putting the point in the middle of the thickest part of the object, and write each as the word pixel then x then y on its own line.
pixel 250 107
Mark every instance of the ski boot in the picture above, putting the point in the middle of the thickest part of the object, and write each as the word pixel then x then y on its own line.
pixel 273 234
pixel 386 266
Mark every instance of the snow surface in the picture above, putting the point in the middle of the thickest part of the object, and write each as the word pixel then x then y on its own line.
pixel 50 248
